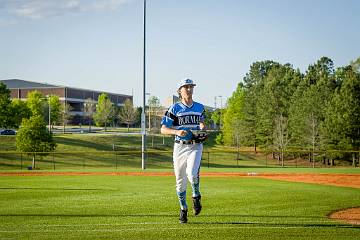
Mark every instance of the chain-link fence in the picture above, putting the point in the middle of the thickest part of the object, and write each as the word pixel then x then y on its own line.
pixel 162 159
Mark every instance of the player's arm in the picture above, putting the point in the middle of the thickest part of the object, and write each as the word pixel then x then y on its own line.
pixel 202 126
pixel 202 121
pixel 170 131
pixel 167 125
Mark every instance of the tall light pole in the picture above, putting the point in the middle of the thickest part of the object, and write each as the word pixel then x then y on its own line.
pixel 143 117
pixel 149 111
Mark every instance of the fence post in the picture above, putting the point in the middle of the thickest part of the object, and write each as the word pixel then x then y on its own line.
pixel 354 159
pixel 208 153
pixel 313 159
pixel 115 160
pixel 21 161
pixel 53 160
pixel 266 159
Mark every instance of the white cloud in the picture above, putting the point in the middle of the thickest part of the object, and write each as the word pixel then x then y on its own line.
pixel 7 22
pixel 36 9
pixel 108 4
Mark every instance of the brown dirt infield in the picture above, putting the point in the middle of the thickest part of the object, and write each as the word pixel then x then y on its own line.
pixel 351 215
pixel 342 180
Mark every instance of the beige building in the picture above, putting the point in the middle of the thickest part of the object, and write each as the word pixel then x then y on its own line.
pixel 75 97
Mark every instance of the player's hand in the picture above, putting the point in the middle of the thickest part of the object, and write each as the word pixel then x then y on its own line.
pixel 181 133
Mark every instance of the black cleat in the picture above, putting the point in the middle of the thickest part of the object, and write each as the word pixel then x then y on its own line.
pixel 197 205
pixel 183 216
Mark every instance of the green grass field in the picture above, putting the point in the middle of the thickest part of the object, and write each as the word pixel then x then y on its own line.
pixel 140 207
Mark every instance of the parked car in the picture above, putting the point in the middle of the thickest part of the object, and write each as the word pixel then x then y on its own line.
pixel 7 132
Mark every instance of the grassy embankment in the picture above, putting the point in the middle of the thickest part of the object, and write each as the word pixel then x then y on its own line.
pixel 104 152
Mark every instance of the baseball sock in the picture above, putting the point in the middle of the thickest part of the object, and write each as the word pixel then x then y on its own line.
pixel 182 200
pixel 196 188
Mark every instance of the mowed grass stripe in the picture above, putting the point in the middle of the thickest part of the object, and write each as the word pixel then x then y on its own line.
pixel 146 207
pixel 176 228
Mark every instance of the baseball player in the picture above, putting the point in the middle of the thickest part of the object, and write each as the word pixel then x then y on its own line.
pixel 180 120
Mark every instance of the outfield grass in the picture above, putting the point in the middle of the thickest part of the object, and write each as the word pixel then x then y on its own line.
pixel 129 207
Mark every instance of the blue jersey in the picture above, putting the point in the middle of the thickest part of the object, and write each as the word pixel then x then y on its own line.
pixel 180 116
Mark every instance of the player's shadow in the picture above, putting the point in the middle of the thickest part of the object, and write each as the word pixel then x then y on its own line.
pixel 194 221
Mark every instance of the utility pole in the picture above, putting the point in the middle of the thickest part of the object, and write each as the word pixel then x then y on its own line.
pixel 143 116
pixel 149 111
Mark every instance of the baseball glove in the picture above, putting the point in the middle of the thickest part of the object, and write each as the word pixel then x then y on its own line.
pixel 199 135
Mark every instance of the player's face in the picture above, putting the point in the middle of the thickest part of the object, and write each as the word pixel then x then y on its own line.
pixel 186 91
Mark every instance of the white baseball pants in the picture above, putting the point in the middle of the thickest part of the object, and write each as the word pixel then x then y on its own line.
pixel 187 160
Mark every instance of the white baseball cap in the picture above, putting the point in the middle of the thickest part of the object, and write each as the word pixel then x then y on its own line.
pixel 186 81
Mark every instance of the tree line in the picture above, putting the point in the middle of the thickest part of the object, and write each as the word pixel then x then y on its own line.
pixel 279 108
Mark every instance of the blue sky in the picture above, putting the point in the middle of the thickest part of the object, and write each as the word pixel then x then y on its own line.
pixel 97 44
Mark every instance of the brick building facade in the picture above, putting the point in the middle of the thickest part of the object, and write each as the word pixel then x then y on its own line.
pixel 75 97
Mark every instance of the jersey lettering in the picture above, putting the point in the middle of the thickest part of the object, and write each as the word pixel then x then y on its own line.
pixel 186 120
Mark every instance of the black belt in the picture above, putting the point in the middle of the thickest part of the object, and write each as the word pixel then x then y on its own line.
pixel 187 141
